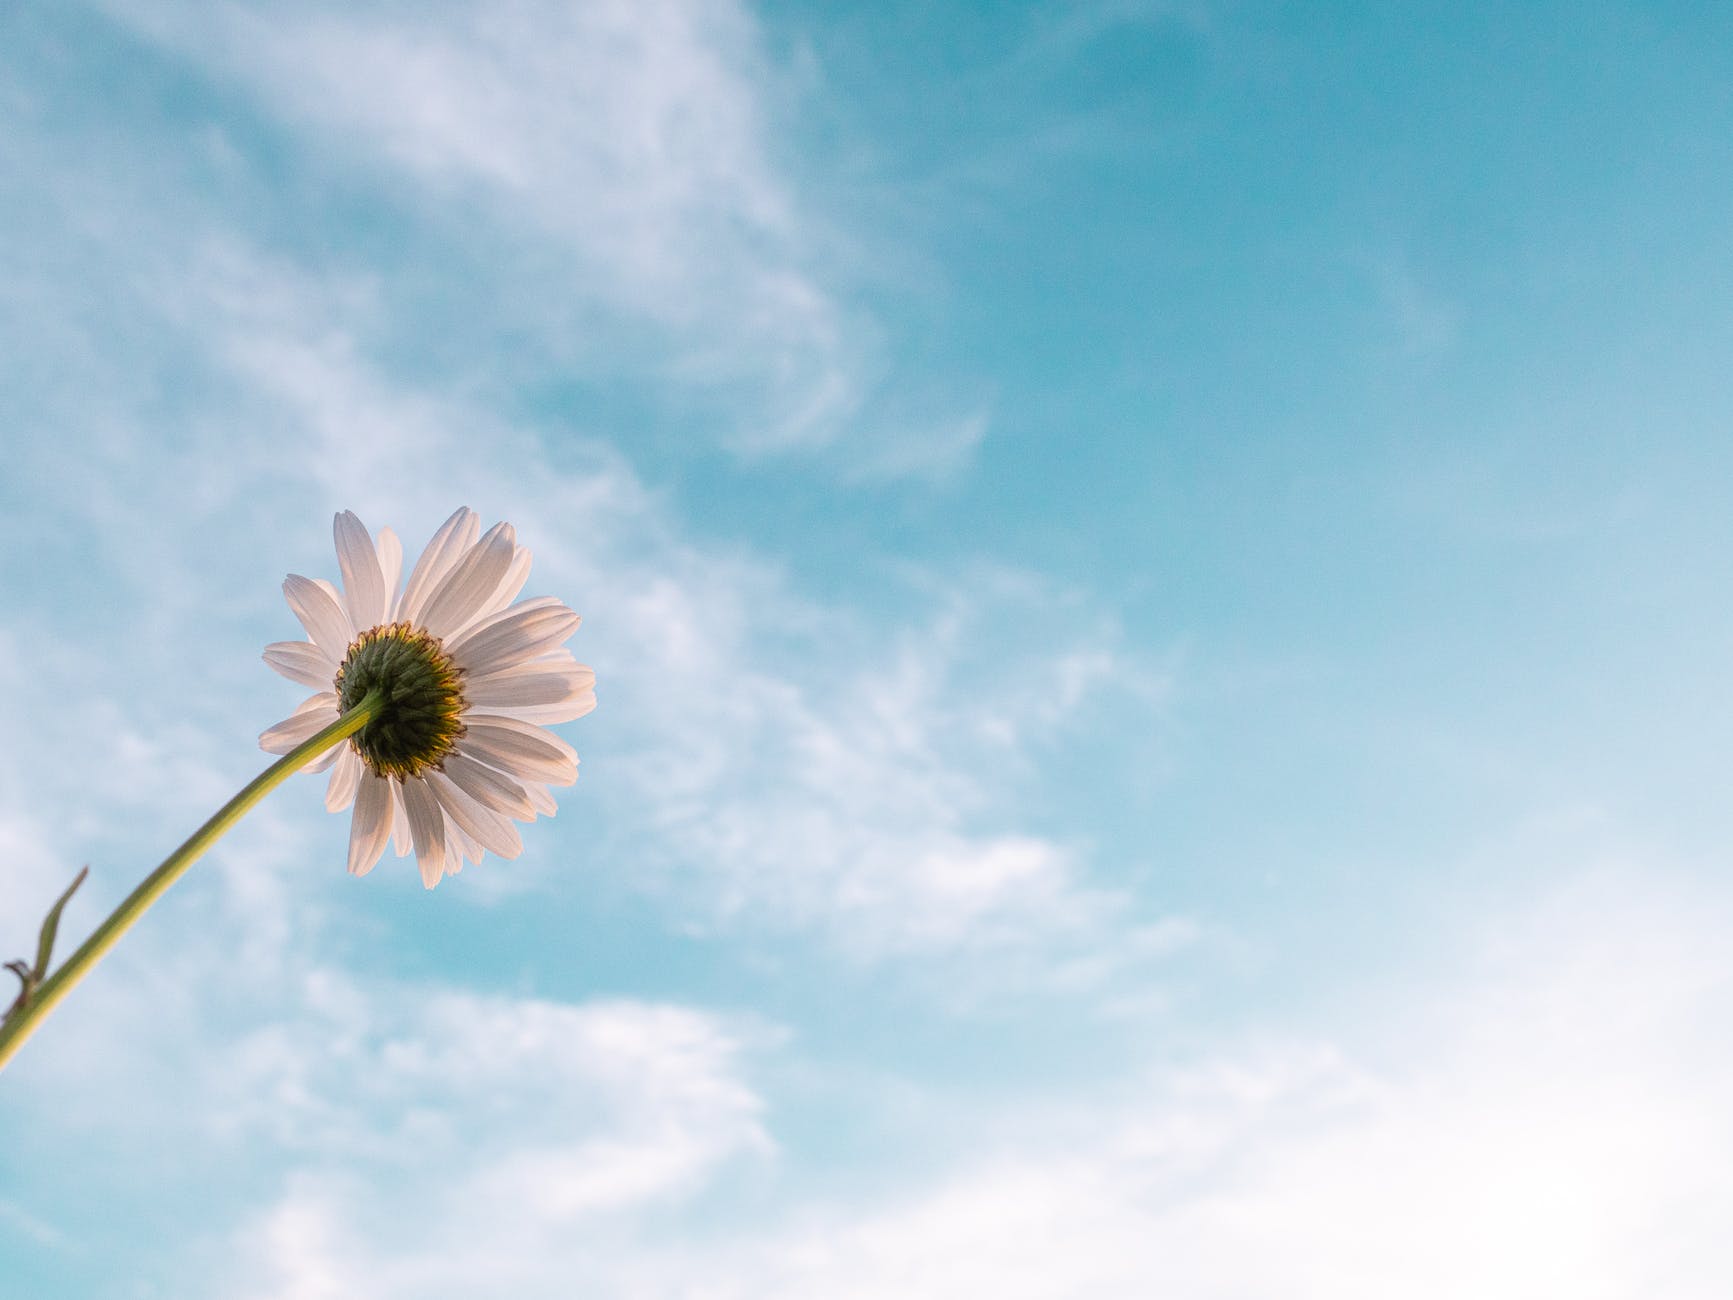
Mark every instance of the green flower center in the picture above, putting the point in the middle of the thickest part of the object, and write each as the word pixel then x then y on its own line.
pixel 422 718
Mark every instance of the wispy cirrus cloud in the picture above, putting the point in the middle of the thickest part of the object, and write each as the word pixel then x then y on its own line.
pixel 789 761
pixel 774 760
pixel 517 1120
pixel 631 168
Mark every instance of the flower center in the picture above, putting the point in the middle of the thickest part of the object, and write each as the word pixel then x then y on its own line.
pixel 422 718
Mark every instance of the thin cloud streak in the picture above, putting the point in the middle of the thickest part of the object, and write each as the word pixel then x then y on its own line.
pixel 630 145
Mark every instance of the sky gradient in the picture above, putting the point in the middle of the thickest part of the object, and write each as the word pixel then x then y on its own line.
pixel 1157 578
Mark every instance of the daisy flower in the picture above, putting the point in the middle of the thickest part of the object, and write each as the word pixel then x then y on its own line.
pixel 459 751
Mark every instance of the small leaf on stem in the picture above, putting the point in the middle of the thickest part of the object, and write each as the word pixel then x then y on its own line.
pixel 51 925
pixel 44 948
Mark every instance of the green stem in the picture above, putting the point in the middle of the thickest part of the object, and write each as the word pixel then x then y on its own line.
pixel 23 1022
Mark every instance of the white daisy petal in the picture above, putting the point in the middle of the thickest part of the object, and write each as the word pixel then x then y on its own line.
pixel 558 661
pixel 516 576
pixel 545 715
pixel 303 662
pixel 514 639
pixel 540 735
pixel 400 841
pixel 427 828
pixel 534 684
pixel 558 658
pixel 580 705
pixel 345 776
pixel 363 580
pixel 512 583
pixel 477 626
pixel 325 760
pixel 325 619
pixel 371 825
pixel 470 584
pixel 512 751
pixel 486 827
pixel 330 589
pixel 470 675
pixel 487 787
pixel 302 725
pixel 455 536
pixel 459 847
pixel 390 551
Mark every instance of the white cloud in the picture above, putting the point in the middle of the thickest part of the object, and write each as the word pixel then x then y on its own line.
pixel 868 796
pixel 923 449
pixel 376 1109
pixel 785 760
pixel 437 1141
pixel 1549 1120
pixel 629 151
pixel 779 758
pixel 790 760
pixel 459 1136
pixel 322 1116
pixel 1554 1125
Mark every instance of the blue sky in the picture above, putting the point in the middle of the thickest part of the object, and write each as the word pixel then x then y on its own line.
pixel 1155 575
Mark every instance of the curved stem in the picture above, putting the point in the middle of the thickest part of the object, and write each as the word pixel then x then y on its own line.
pixel 23 1022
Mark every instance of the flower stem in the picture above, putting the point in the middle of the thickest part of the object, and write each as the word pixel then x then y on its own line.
pixel 23 1021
